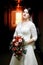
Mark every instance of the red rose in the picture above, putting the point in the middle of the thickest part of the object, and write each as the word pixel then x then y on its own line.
pixel 14 49
pixel 18 46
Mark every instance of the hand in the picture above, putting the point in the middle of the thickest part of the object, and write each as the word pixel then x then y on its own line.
pixel 25 43
pixel 11 43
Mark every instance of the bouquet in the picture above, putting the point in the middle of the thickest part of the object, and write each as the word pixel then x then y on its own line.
pixel 17 47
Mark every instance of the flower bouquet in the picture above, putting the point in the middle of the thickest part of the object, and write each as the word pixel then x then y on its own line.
pixel 17 47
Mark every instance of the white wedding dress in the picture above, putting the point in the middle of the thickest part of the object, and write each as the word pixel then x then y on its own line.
pixel 26 30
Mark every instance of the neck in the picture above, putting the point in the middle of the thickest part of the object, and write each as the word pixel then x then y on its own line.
pixel 24 20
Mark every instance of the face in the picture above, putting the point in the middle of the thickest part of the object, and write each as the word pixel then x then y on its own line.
pixel 25 14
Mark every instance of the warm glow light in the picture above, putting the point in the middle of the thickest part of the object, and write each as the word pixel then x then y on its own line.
pixel 18 17
pixel 13 23
pixel 13 16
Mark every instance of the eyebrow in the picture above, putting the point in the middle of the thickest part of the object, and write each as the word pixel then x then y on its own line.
pixel 26 11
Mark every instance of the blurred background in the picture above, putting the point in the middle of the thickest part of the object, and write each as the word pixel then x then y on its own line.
pixel 10 15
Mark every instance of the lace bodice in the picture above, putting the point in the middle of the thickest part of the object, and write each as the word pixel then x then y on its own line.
pixel 26 30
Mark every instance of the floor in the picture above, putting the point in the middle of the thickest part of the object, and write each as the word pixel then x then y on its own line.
pixel 5 58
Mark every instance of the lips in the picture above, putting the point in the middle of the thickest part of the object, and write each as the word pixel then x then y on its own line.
pixel 24 15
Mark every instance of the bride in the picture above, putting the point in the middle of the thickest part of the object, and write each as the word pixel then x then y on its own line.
pixel 28 31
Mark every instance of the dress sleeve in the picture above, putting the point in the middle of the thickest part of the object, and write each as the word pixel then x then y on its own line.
pixel 16 30
pixel 33 32
pixel 15 33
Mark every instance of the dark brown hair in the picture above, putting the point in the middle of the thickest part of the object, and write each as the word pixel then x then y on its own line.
pixel 30 11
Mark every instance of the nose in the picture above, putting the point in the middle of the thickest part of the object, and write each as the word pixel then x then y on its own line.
pixel 24 14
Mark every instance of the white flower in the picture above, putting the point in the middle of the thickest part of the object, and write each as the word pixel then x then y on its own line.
pixel 13 40
pixel 20 40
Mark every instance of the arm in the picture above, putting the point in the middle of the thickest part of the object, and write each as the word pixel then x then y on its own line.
pixel 33 34
pixel 16 30
pixel 15 34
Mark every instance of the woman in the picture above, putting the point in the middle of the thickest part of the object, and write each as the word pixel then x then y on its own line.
pixel 27 30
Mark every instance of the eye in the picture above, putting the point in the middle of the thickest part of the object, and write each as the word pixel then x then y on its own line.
pixel 25 12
